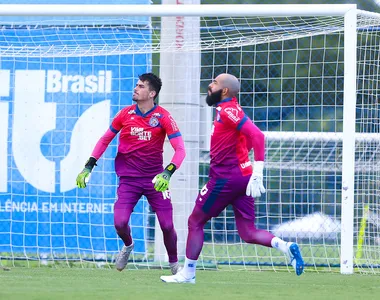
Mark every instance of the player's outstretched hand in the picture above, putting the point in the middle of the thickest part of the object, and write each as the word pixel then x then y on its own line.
pixel 83 177
pixel 255 187
pixel 161 181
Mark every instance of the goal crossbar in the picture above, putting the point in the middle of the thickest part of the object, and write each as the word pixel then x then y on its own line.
pixel 211 10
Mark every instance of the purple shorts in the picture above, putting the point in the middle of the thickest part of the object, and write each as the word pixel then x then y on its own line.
pixel 218 193
pixel 131 189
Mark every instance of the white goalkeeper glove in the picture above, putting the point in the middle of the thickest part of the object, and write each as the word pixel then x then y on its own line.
pixel 255 185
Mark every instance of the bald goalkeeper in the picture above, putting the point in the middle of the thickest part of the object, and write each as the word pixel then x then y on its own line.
pixel 233 180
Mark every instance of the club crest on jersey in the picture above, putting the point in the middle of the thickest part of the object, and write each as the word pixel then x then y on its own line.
pixel 153 121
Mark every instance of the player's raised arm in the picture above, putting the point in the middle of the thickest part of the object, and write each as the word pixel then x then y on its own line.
pixel 256 141
pixel 100 147
pixel 161 181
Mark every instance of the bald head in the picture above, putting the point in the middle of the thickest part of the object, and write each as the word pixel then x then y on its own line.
pixel 224 86
pixel 230 82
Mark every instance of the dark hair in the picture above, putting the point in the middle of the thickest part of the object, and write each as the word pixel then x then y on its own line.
pixel 154 81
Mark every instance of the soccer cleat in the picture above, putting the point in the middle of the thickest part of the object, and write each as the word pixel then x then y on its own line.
pixel 296 259
pixel 175 268
pixel 122 257
pixel 177 278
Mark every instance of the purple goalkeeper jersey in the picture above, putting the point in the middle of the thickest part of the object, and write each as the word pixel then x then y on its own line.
pixel 229 153
pixel 142 139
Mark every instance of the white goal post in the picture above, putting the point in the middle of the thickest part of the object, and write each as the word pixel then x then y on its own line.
pixel 309 77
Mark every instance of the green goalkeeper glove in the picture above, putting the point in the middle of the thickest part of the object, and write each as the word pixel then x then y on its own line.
pixel 84 176
pixel 161 181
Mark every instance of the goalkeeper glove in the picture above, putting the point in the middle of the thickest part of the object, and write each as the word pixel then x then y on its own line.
pixel 84 176
pixel 255 185
pixel 161 181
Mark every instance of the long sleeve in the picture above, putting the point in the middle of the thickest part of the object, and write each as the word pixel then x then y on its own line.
pixel 103 143
pixel 255 140
pixel 179 150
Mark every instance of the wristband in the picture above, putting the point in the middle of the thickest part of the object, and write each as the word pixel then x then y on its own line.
pixel 171 168
pixel 90 163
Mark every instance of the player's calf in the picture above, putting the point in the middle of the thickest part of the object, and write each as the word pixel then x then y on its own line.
pixel 123 256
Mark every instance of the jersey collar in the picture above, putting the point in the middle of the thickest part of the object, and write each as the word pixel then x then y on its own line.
pixel 224 101
pixel 139 113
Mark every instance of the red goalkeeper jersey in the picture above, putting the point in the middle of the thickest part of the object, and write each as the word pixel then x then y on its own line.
pixel 229 153
pixel 142 139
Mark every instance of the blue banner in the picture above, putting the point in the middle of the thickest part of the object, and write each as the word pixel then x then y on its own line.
pixel 53 110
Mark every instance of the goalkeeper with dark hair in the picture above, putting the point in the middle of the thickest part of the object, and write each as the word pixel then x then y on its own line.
pixel 139 164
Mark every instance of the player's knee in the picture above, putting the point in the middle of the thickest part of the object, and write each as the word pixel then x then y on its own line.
pixel 121 225
pixel 193 223
pixel 167 227
pixel 247 237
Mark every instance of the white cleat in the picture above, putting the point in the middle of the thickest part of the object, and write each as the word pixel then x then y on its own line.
pixel 122 257
pixel 175 268
pixel 177 278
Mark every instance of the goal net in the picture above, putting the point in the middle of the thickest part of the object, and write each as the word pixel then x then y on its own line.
pixel 64 79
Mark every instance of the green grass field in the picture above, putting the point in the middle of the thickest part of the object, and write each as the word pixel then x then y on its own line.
pixel 74 283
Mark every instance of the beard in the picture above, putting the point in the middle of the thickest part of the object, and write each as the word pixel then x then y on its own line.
pixel 214 98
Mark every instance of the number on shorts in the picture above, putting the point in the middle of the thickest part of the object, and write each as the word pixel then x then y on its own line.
pixel 204 190
pixel 166 194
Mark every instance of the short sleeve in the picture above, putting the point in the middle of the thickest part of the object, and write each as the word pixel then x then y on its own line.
pixel 170 127
pixel 117 122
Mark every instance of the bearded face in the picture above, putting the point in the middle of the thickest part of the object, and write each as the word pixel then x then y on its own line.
pixel 213 98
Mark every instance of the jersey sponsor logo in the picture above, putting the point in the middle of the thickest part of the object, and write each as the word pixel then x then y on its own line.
pixel 173 123
pixel 245 164
pixel 132 112
pixel 232 114
pixel 153 121
pixel 142 135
